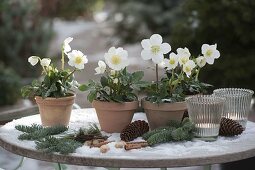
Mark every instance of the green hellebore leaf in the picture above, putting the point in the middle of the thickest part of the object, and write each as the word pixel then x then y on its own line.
pixel 104 81
pixel 137 76
pixel 92 96
pixel 175 82
pixel 83 87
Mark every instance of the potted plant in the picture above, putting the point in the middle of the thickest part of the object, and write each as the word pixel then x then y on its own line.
pixel 114 97
pixel 54 94
pixel 165 97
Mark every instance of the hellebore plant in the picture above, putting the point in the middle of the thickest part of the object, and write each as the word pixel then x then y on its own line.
pixel 116 83
pixel 182 70
pixel 56 83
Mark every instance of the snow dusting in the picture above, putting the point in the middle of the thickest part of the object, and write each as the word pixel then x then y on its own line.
pixel 83 117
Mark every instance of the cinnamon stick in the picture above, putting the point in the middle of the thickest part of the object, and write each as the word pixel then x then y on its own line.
pixel 135 145
pixel 101 143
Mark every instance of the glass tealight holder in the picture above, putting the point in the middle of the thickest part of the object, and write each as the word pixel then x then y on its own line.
pixel 205 111
pixel 238 102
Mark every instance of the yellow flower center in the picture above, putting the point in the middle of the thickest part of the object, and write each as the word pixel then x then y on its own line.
pixel 172 61
pixel 209 53
pixel 78 60
pixel 155 49
pixel 184 60
pixel 116 59
pixel 187 69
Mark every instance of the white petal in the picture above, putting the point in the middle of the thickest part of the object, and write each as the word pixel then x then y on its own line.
pixel 209 60
pixel 33 60
pixel 173 55
pixel 80 53
pixel 122 52
pixel 162 64
pixel 45 62
pixel 204 48
pixel 146 44
pixel 79 66
pixel 214 46
pixel 146 54
pixel 68 40
pixel 216 54
pixel 165 47
pixel 67 48
pixel 98 70
pixel 201 61
pixel 71 62
pixel 101 64
pixel 85 59
pixel 112 50
pixel 166 63
pixel 157 59
pixel 126 62
pixel 156 39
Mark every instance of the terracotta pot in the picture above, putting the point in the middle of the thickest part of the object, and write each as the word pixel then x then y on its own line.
pixel 114 117
pixel 159 115
pixel 55 111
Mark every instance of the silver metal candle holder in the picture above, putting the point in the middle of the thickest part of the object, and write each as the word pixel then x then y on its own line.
pixel 205 111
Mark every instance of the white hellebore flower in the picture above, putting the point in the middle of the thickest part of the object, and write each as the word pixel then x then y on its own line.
pixel 66 45
pixel 172 62
pixel 115 81
pixel 188 67
pixel 162 64
pixel 210 52
pixel 101 67
pixel 45 62
pixel 201 61
pixel 112 72
pixel 77 59
pixel 116 58
pixel 154 49
pixel 183 55
pixel 33 60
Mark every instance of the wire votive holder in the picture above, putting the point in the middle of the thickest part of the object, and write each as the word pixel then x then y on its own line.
pixel 205 111
pixel 238 102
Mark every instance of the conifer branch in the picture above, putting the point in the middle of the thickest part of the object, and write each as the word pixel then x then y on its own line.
pixel 41 132
pixel 52 144
pixel 178 131
pixel 28 129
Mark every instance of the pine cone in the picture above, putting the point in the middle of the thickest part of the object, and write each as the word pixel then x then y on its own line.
pixel 185 114
pixel 134 130
pixel 229 127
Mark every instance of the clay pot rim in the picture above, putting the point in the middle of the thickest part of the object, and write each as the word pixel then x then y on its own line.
pixel 164 106
pixel 54 98
pixel 52 101
pixel 104 105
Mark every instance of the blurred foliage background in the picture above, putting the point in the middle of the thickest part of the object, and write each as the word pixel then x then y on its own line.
pixel 190 23
pixel 26 28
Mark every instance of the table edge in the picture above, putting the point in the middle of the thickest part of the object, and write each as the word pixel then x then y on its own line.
pixel 126 163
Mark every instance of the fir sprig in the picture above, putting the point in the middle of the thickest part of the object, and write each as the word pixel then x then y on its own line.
pixel 92 130
pixel 52 144
pixel 65 144
pixel 41 132
pixel 174 123
pixel 152 132
pixel 28 129
pixel 162 136
pixel 178 131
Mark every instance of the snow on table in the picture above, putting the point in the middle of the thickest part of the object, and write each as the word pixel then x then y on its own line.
pixel 172 150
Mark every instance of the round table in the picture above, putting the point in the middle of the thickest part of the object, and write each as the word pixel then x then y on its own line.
pixel 174 154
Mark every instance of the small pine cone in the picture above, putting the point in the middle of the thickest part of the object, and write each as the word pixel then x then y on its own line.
pixel 134 130
pixel 185 114
pixel 229 127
